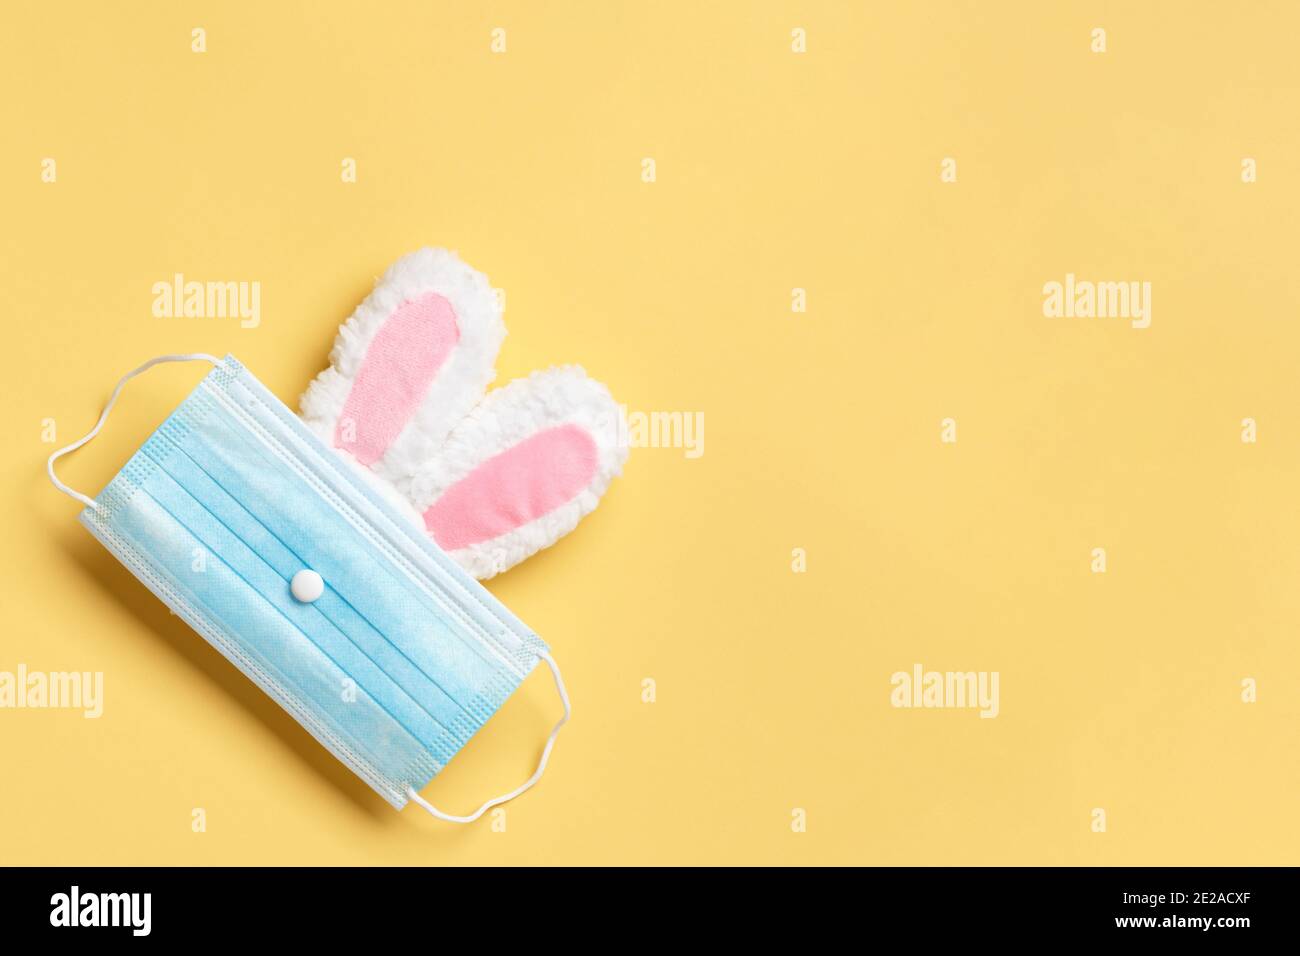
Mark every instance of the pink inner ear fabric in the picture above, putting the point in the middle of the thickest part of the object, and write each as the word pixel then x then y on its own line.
pixel 514 487
pixel 396 374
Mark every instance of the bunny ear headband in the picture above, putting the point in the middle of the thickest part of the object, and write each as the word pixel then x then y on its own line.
pixel 332 558
pixel 492 479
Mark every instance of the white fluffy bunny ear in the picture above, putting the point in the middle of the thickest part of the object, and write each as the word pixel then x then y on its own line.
pixel 520 471
pixel 412 360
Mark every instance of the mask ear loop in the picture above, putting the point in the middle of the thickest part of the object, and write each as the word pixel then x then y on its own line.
pixel 103 417
pixel 537 774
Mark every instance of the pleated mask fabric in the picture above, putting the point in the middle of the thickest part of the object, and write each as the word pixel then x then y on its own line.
pixel 393 664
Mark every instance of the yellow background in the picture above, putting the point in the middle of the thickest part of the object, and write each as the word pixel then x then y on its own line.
pixel 774 171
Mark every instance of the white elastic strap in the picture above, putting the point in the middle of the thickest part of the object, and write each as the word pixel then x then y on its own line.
pixel 103 417
pixel 537 774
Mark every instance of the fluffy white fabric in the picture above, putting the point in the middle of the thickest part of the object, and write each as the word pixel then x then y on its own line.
pixel 455 428
pixel 460 382
pixel 507 416
pixel 384 489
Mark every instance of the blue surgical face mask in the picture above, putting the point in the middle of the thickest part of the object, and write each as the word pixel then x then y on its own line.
pixel 289 563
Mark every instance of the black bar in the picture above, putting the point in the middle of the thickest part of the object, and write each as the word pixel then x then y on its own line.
pixel 338 906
